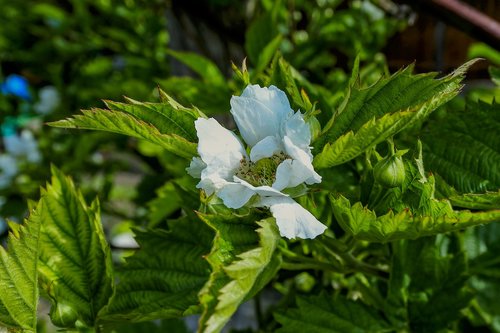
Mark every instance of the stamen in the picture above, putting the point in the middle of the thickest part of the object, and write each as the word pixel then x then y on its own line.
pixel 262 172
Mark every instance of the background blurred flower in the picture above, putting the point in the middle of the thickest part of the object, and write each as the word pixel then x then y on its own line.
pixel 48 100
pixel 23 146
pixel 16 85
pixel 8 170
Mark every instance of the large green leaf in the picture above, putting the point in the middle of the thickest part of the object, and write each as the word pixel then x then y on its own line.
pixel 474 164
pixel 19 275
pixel 400 93
pixel 353 144
pixel 243 260
pixel 484 201
pixel 75 260
pixel 166 124
pixel 207 70
pixel 248 274
pixel 261 32
pixel 363 223
pixel 427 286
pixel 495 74
pixel 329 314
pixel 482 246
pixel 163 278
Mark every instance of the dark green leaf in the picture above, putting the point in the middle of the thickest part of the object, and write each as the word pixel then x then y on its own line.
pixel 18 276
pixel 427 290
pixel 163 278
pixel 474 164
pixel 328 314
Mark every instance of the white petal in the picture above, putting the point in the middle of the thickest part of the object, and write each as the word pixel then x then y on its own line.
pixel 196 167
pixel 292 219
pixel 210 182
pixel 298 131
pixel 235 195
pixel 291 173
pixel 219 148
pixel 304 157
pixel 267 147
pixel 259 112
pixel 263 191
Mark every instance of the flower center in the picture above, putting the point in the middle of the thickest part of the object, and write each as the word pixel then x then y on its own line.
pixel 262 172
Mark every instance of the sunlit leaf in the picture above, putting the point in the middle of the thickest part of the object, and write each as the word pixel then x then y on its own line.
pixel 242 260
pixel 18 276
pixel 403 91
pixel 247 274
pixel 160 123
pixel 75 260
pixel 363 223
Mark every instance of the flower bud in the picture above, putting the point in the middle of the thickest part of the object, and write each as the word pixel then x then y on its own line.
pixel 63 315
pixel 390 171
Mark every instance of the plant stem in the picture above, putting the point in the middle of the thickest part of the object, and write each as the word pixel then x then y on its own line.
pixel 306 262
pixel 300 267
pixel 339 249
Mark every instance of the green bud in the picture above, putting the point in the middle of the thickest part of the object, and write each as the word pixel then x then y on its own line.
pixel 390 171
pixel 63 315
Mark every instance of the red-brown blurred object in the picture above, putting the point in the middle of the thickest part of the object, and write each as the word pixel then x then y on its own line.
pixel 443 33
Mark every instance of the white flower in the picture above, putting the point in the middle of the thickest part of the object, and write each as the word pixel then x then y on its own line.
pixel 23 146
pixel 49 100
pixel 279 158
pixel 8 170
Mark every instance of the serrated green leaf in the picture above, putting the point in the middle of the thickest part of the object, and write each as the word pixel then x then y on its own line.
pixel 486 201
pixel 427 289
pixel 483 201
pixel 237 249
pixel 351 144
pixel 248 274
pixel 207 70
pixel 166 284
pixel 482 247
pixel 75 260
pixel 19 276
pixel 402 91
pixel 328 314
pixel 167 119
pixel 363 223
pixel 474 164
pixel 123 123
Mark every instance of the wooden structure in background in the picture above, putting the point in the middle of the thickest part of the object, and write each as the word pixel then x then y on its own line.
pixel 435 45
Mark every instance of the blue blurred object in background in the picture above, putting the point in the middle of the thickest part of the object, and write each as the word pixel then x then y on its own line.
pixel 16 85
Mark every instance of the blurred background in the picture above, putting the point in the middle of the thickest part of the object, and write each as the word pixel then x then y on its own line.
pixel 60 56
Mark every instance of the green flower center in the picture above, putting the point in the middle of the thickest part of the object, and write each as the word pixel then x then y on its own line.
pixel 262 172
